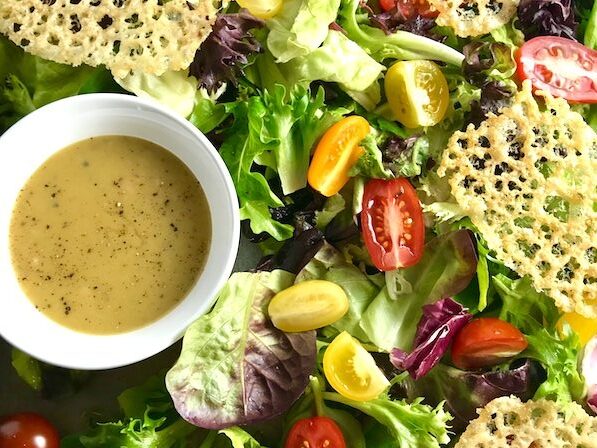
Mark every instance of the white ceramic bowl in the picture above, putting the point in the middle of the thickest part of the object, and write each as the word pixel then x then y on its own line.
pixel 29 143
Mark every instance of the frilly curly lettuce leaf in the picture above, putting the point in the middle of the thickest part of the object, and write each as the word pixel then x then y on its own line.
pixel 410 424
pixel 235 367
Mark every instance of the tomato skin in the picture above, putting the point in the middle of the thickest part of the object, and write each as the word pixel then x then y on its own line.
pixel 308 305
pixel 392 223
pixel 315 432
pixel 337 151
pixel 417 92
pixel 559 66
pixel 27 430
pixel 485 342
pixel 410 8
pixel 351 370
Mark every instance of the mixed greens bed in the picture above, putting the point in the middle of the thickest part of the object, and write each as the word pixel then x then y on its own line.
pixel 379 316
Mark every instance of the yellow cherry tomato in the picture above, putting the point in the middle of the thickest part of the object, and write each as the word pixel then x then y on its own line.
pixel 307 306
pixel 336 153
pixel 264 9
pixel 417 92
pixel 351 370
pixel 585 327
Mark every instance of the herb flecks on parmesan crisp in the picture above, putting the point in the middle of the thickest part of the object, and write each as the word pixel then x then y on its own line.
pixel 506 422
pixel 526 178
pixel 474 17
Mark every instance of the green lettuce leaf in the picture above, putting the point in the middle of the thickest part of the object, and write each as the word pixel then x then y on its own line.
pixel 357 71
pixel 447 267
pixel 149 420
pixel 244 143
pixel 590 37
pixel 333 206
pixel 239 438
pixel 398 45
pixel 295 121
pixel 175 90
pixel 276 130
pixel 370 164
pixel 536 315
pixel 409 424
pixel 329 264
pixel 28 82
pixel 235 367
pixel 300 28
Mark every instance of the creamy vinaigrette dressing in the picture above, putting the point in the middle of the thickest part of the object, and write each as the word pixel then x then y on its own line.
pixel 109 234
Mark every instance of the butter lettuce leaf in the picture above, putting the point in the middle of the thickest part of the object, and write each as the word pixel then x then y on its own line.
pixel 235 367
pixel 356 72
pixel 300 28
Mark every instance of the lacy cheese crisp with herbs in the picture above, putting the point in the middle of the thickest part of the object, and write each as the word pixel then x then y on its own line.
pixel 526 178
pixel 474 17
pixel 506 422
pixel 124 35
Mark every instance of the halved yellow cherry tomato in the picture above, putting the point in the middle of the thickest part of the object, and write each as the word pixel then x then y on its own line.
pixel 585 327
pixel 417 92
pixel 337 151
pixel 351 370
pixel 307 306
pixel 264 9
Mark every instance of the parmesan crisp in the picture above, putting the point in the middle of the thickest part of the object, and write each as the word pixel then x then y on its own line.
pixel 123 35
pixel 506 422
pixel 474 17
pixel 527 179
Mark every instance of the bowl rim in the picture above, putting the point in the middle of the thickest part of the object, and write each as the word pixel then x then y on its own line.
pixel 214 283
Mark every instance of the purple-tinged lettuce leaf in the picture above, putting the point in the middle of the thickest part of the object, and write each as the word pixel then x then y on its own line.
pixel 235 367
pixel 494 96
pixel 547 18
pixel 441 321
pixel 221 56
pixel 465 391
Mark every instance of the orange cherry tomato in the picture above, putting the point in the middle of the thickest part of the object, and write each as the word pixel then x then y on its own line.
pixel 485 342
pixel 337 151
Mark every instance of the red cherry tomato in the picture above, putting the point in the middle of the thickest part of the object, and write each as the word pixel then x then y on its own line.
pixel 485 342
pixel 392 223
pixel 410 8
pixel 27 430
pixel 315 432
pixel 559 66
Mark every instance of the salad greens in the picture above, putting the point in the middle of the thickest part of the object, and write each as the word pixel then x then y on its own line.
pixel 265 90
pixel 300 28
pixel 150 420
pixel 235 366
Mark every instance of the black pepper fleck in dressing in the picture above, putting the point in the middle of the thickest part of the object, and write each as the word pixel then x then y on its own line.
pixel 109 234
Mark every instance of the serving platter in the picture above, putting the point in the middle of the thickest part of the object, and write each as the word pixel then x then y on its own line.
pixel 97 396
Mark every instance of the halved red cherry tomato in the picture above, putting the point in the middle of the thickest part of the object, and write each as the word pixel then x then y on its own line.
pixel 392 223
pixel 315 432
pixel 560 66
pixel 485 342
pixel 410 8
pixel 27 430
